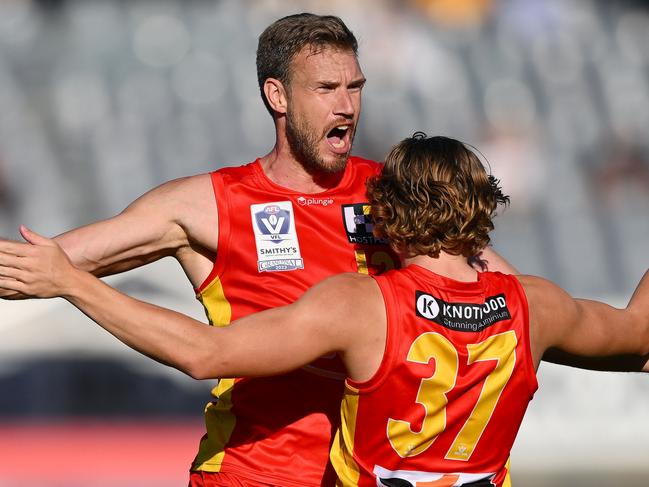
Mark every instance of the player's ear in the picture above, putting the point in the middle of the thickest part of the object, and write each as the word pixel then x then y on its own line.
pixel 276 95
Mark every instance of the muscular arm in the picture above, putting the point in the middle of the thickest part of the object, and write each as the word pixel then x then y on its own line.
pixel 615 363
pixel 157 224
pixel 266 343
pixel 174 219
pixel 490 260
pixel 584 327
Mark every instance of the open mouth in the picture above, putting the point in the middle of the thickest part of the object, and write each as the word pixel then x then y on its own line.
pixel 338 138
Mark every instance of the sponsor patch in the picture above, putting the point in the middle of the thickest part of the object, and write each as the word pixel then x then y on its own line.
pixel 462 316
pixel 413 478
pixel 308 201
pixel 359 225
pixel 277 246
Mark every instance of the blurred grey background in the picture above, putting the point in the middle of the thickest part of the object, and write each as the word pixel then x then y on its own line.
pixel 102 100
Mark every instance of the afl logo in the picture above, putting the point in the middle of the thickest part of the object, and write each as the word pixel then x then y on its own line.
pixel 427 305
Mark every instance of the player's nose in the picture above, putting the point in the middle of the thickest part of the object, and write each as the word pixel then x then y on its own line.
pixel 344 103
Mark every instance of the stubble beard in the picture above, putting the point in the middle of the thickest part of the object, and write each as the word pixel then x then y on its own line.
pixel 303 143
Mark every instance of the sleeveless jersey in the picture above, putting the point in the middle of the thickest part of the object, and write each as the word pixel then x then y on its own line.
pixel 445 405
pixel 273 244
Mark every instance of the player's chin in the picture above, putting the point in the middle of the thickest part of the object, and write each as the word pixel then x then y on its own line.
pixel 334 163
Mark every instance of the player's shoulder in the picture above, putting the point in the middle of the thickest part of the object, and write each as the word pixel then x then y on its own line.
pixel 347 297
pixel 178 200
pixel 174 188
pixel 502 279
pixel 347 283
pixel 536 284
pixel 545 297
pixel 237 172
pixel 343 289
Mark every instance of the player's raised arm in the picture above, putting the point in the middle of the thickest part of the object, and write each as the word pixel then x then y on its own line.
pixel 490 260
pixel 155 225
pixel 158 224
pixel 330 317
pixel 584 327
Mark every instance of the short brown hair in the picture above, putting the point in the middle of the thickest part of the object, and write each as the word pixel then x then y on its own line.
pixel 434 195
pixel 286 37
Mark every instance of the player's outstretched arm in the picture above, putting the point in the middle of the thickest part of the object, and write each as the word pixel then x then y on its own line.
pixel 490 260
pixel 614 363
pixel 584 327
pixel 330 317
pixel 343 314
pixel 639 304
pixel 156 225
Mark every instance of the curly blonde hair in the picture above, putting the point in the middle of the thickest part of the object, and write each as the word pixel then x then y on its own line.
pixel 434 195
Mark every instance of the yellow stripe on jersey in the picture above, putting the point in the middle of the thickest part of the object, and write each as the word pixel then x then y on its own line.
pixel 219 419
pixel 361 261
pixel 220 424
pixel 341 457
pixel 507 482
pixel 217 307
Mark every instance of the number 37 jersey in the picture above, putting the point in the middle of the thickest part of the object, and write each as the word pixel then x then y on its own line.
pixel 447 401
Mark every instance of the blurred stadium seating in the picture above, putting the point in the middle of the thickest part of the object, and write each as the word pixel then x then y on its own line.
pixel 101 100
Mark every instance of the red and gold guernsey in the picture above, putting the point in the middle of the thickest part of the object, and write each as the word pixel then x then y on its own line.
pixel 446 403
pixel 273 245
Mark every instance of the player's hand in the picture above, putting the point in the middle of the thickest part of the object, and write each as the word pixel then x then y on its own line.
pixel 37 269
pixel 9 294
pixel 12 295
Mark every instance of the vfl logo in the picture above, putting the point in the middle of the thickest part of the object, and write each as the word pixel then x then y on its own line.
pixel 278 248
pixel 359 225
pixel 462 316
pixel 273 222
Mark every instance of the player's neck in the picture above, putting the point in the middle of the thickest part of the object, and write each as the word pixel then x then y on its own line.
pixel 281 167
pixel 452 266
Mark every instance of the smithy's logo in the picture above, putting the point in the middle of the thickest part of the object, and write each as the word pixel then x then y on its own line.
pixel 273 222
pixel 278 248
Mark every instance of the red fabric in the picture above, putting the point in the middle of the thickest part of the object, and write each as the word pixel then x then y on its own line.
pixel 209 479
pixel 392 393
pixel 284 424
